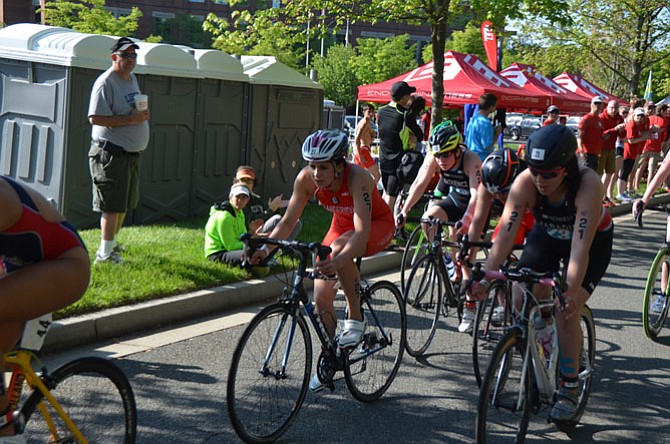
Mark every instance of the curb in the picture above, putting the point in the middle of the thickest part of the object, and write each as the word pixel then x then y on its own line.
pixel 116 322
pixel 627 207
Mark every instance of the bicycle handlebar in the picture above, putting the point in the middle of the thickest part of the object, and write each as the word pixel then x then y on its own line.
pixel 322 251
pixel 638 209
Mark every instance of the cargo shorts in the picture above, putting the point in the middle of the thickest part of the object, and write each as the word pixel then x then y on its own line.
pixel 115 173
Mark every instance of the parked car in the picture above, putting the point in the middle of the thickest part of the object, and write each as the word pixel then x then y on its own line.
pixel 524 128
pixel 573 122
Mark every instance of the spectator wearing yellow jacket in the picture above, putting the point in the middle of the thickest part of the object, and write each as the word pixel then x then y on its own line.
pixel 225 226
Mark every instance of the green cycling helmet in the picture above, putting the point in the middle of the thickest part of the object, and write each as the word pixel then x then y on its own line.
pixel 444 138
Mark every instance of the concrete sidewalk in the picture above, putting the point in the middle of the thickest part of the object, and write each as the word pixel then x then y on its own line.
pixel 117 322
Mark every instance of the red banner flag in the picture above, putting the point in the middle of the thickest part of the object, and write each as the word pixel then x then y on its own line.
pixel 490 44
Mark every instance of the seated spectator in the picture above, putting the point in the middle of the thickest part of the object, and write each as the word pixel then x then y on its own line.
pixel 224 228
pixel 260 221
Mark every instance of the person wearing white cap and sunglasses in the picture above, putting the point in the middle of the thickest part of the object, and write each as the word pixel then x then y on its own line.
pixel 120 133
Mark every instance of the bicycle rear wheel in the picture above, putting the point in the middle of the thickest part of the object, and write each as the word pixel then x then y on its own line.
pixel 489 327
pixel 374 363
pixel 504 406
pixel 95 394
pixel 653 318
pixel 423 298
pixel 417 245
pixel 586 363
pixel 263 398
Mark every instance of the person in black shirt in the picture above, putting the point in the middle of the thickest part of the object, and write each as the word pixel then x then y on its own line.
pixel 394 130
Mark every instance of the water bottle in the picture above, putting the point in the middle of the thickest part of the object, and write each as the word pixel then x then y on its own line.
pixel 451 267
pixel 544 335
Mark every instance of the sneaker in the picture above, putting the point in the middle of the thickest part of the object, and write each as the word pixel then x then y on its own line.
pixel 498 315
pixel 119 248
pixel 315 384
pixel 112 258
pixel 565 408
pixel 352 333
pixel 623 198
pixel 467 321
pixel 659 303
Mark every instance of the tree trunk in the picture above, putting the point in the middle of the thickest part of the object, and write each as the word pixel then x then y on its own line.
pixel 438 33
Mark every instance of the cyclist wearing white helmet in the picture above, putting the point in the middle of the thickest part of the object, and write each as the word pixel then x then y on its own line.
pixel 570 225
pixel 362 225
pixel 460 174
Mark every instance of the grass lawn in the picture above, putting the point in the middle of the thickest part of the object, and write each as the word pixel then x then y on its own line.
pixel 164 260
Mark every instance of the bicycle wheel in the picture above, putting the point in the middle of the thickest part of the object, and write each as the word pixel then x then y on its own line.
pixel 490 326
pixel 586 363
pixel 503 410
pixel 652 317
pixel 374 363
pixel 95 394
pixel 417 245
pixel 423 297
pixel 264 398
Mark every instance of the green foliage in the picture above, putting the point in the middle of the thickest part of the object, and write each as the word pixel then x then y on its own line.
pixel 90 16
pixel 468 41
pixel 336 76
pixel 382 59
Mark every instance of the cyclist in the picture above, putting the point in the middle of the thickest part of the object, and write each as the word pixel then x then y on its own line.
pixel 460 171
pixel 46 268
pixel 362 225
pixel 499 170
pixel 639 206
pixel 572 225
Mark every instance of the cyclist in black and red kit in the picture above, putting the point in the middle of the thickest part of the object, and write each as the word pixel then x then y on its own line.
pixel 394 129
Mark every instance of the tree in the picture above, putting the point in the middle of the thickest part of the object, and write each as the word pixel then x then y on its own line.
pixel 371 65
pixel 468 41
pixel 90 16
pixel 336 76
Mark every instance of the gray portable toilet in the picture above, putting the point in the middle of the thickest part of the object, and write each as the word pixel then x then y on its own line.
pixel 286 107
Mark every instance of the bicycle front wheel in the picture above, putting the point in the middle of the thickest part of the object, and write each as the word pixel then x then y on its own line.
pixel 423 298
pixel 374 363
pixel 503 410
pixel 492 321
pixel 97 397
pixel 269 373
pixel 655 305
pixel 416 247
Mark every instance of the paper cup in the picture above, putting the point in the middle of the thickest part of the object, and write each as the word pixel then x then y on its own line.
pixel 141 102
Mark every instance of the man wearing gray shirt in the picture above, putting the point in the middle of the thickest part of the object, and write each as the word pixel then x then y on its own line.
pixel 120 134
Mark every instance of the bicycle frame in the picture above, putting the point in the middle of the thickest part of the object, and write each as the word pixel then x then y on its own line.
pixel 21 360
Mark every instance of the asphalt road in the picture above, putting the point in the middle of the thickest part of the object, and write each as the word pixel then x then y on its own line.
pixel 179 376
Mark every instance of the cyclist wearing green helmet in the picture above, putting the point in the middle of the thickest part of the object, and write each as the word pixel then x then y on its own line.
pixel 460 175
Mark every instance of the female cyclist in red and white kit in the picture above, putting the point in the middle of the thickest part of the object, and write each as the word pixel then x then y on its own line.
pixel 362 225
pixel 47 268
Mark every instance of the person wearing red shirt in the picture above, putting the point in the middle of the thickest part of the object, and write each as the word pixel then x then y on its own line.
pixel 613 126
pixel 637 132
pixel 651 154
pixel 552 116
pixel 590 134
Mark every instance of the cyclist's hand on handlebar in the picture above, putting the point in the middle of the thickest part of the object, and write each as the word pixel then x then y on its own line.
pixel 258 256
pixel 327 267
pixel 463 225
pixel 400 220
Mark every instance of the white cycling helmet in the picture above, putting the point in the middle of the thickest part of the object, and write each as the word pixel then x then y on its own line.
pixel 325 145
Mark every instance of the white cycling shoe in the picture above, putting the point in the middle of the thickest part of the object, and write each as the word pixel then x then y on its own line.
pixel 352 333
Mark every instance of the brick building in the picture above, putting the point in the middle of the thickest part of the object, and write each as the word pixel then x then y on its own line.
pixel 179 21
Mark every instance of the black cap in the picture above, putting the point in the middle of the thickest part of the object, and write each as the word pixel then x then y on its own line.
pixel 553 109
pixel 124 43
pixel 400 90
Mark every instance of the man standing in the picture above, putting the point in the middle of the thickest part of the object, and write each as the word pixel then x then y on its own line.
pixel 119 135
pixel 590 134
pixel 480 136
pixel 392 129
pixel 651 153
pixel 613 127
pixel 552 116
pixel 365 135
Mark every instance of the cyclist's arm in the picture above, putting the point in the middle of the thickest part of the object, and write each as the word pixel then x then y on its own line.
pixel 420 184
pixel 361 188
pixel 473 167
pixel 480 216
pixel 521 196
pixel 588 213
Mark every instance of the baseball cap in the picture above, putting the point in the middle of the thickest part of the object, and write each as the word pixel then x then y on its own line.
pixel 239 189
pixel 401 89
pixel 552 109
pixel 638 112
pixel 245 173
pixel 596 99
pixel 122 44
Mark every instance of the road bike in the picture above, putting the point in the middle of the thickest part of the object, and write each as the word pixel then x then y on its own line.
pixel 520 379
pixel 87 400
pixel 655 304
pixel 272 362
pixel 429 291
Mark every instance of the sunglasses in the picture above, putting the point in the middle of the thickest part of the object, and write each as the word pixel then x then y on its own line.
pixel 127 55
pixel 546 174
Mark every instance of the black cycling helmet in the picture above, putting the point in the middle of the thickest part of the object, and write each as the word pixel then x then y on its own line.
pixel 444 138
pixel 325 145
pixel 499 170
pixel 550 147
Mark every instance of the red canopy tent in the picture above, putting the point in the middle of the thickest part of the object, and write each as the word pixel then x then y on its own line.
pixel 578 85
pixel 528 78
pixel 466 78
